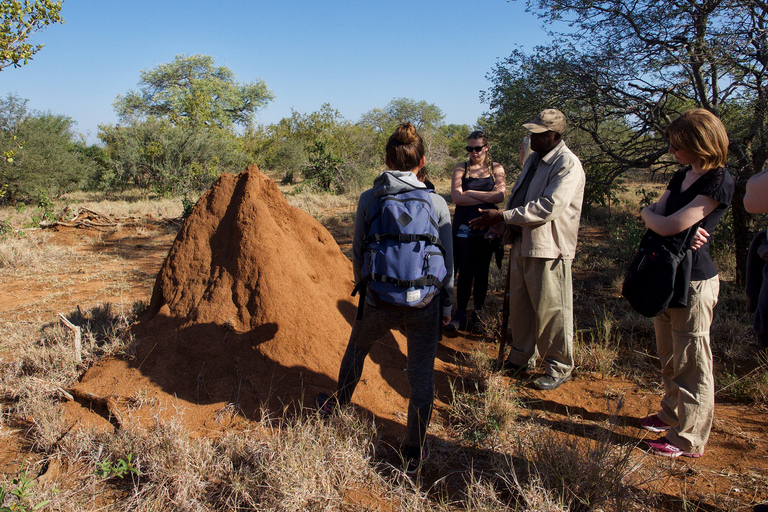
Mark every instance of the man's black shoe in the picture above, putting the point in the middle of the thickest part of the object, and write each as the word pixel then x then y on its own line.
pixel 548 382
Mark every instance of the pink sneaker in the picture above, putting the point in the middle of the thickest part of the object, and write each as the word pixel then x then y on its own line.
pixel 654 424
pixel 666 449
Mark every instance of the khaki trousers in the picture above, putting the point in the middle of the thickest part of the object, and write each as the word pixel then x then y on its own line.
pixel 682 342
pixel 541 312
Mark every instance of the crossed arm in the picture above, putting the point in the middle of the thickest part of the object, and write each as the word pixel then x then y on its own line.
pixel 693 212
pixel 459 196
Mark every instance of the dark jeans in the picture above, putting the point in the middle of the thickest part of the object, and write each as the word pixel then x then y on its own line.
pixel 472 256
pixel 422 328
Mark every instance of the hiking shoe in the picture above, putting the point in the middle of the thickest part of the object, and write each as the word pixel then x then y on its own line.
pixel 548 382
pixel 413 461
pixel 664 448
pixel 326 405
pixel 458 322
pixel 652 423
pixel 512 369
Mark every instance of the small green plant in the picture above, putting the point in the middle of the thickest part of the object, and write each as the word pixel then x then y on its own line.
pixel 108 469
pixel 22 492
pixel 44 210
pixel 187 205
pixel 46 206
pixel 6 229
pixel 137 308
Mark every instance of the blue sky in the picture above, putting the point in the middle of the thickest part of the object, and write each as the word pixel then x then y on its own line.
pixel 354 55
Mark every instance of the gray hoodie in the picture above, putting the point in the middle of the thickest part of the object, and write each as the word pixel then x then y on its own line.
pixel 390 182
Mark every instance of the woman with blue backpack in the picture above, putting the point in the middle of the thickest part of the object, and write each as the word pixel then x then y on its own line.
pixel 402 257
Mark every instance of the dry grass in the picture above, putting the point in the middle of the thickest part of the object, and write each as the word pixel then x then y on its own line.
pixel 128 204
pixel 597 349
pixel 304 463
pixel 487 457
pixel 32 252
pixel 478 413
pixel 583 474
pixel 319 204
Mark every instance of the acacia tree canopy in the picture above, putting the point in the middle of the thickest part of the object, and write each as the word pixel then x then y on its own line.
pixel 19 19
pixel 193 91
pixel 421 114
pixel 625 70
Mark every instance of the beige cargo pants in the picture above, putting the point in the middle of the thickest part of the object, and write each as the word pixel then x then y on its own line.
pixel 682 342
pixel 541 312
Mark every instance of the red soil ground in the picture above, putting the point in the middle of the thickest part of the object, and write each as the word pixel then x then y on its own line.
pixel 251 309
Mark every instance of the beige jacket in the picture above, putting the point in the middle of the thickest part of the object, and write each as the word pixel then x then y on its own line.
pixel 549 219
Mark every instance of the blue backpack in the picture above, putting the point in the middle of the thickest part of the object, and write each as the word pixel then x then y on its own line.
pixel 403 259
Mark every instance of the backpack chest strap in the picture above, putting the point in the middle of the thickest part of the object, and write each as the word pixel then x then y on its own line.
pixel 406 237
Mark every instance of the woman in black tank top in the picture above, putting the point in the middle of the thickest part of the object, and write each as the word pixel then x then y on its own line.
pixel 696 198
pixel 478 183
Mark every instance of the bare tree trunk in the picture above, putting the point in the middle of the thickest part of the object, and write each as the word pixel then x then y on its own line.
pixel 742 232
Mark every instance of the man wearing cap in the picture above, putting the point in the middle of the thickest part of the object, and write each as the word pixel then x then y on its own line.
pixel 542 224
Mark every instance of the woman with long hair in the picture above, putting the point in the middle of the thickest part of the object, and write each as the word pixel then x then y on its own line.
pixel 696 197
pixel 477 184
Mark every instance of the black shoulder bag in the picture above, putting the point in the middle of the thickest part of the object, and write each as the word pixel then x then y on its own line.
pixel 660 273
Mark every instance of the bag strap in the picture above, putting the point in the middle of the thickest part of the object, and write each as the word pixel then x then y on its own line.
pixel 676 244
pixel 405 238
pixel 362 287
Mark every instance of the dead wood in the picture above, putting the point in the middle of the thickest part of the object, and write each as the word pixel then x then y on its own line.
pixel 107 402
pixel 78 336
pixel 90 219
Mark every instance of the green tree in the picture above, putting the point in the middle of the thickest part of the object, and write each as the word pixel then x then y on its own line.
pixel 286 146
pixel 155 154
pixel 41 154
pixel 426 117
pixel 193 91
pixel 325 170
pixel 455 138
pixel 422 115
pixel 623 71
pixel 19 19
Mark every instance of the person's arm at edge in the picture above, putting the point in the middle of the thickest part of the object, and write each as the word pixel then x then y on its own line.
pixel 756 196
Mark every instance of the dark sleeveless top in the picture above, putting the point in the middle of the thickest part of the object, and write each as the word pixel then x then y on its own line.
pixel 464 213
pixel 717 184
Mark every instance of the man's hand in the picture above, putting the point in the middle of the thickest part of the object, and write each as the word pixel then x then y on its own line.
pixel 699 239
pixel 446 320
pixel 487 219
pixel 496 231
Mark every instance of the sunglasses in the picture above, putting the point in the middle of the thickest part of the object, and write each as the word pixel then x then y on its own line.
pixel 476 149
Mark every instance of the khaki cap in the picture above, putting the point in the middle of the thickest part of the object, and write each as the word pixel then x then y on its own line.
pixel 549 119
